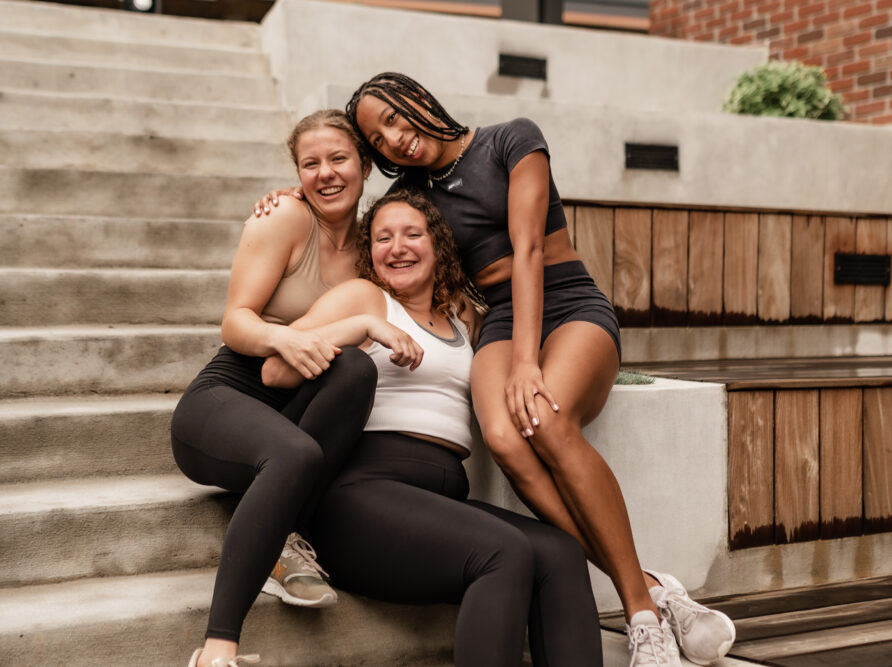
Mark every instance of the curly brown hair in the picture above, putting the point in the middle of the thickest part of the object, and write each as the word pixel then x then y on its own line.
pixel 450 282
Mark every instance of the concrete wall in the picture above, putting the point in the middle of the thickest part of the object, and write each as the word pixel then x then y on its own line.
pixel 604 89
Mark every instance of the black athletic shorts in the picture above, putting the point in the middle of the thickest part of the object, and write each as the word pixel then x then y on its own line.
pixel 570 296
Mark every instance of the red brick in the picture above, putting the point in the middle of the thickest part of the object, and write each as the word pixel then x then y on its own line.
pixel 856 39
pixel 817 61
pixel 841 28
pixel 829 17
pixel 840 58
pixel 841 85
pixel 742 15
pixel 882 91
pixel 781 17
pixel 781 44
pixel 768 7
pixel 831 72
pixel 882 33
pixel 812 9
pixel 856 96
pixel 855 68
pixel 874 49
pixel 871 21
pixel 881 120
pixel 708 36
pixel 728 7
pixel 827 46
pixel 812 36
pixel 857 10
pixel 756 24
pixel 729 32
pixel 795 54
pixel 795 27
pixel 716 23
pixel 872 78
pixel 870 107
pixel 884 4
pixel 768 34
pixel 704 14
pixel 742 39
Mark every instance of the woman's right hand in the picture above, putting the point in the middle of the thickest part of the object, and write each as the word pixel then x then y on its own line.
pixel 406 352
pixel 305 351
pixel 263 205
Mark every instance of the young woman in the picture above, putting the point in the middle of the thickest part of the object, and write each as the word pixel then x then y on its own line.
pixel 281 447
pixel 396 524
pixel 533 390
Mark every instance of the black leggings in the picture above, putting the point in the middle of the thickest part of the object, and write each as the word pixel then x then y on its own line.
pixel 395 525
pixel 279 448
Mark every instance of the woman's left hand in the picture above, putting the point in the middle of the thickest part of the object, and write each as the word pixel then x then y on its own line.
pixel 521 388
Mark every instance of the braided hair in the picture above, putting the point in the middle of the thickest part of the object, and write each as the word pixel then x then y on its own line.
pixel 414 103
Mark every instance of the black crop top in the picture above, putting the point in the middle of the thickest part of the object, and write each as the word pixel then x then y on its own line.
pixel 474 199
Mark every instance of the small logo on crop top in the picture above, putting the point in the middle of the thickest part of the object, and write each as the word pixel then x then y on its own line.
pixel 454 185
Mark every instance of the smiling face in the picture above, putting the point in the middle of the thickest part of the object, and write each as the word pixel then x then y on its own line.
pixel 402 249
pixel 392 135
pixel 330 171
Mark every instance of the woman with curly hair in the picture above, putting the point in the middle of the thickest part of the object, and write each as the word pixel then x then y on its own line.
pixel 396 523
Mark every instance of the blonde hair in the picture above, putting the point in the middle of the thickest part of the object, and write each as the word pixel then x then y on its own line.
pixel 329 118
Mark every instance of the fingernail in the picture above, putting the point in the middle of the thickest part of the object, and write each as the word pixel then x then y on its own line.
pixel 535 421
pixel 555 406
pixel 528 432
pixel 266 209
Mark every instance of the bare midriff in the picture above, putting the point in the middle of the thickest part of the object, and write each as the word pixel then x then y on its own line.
pixel 458 450
pixel 558 248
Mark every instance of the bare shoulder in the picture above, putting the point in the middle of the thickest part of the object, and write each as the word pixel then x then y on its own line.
pixel 291 219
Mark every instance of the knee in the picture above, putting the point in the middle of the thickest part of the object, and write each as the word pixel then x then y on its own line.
pixel 557 551
pixel 299 459
pixel 507 447
pixel 356 370
pixel 556 435
pixel 508 553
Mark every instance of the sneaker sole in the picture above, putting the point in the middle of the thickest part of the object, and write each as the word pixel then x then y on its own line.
pixel 273 587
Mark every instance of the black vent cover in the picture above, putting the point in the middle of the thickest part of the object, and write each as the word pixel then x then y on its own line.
pixel 523 66
pixel 651 156
pixel 852 269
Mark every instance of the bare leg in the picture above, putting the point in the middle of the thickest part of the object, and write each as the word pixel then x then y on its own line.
pixel 557 472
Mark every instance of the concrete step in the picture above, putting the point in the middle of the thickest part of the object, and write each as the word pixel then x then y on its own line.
pixel 102 360
pixel 34 240
pixel 143 84
pixel 68 529
pixel 46 297
pixel 81 436
pixel 124 153
pixel 74 49
pixel 55 19
pixel 33 110
pixel 119 620
pixel 104 193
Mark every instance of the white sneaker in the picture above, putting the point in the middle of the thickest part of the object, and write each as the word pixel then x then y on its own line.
pixel 297 578
pixel 651 641
pixel 704 635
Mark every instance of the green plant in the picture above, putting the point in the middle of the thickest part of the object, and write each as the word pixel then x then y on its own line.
pixel 785 89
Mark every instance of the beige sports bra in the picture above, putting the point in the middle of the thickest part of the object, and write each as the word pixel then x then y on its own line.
pixel 300 286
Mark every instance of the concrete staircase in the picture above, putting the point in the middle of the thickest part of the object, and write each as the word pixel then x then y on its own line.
pixel 131 147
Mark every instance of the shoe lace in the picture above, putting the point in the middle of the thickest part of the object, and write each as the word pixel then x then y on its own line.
pixel 681 600
pixel 297 547
pixel 648 640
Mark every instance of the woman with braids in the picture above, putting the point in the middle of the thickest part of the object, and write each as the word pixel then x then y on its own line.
pixel 396 523
pixel 549 347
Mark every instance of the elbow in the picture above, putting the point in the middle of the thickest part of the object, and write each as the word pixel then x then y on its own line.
pixel 269 376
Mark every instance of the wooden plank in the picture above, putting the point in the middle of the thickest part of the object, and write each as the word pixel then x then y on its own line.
pixel 870 239
pixel 570 215
pixel 775 244
pixel 806 597
pixel 877 460
pixel 741 262
pixel 796 464
pixel 706 235
pixel 888 307
pixel 807 270
pixel 839 300
pixel 813 642
pixel 670 267
pixel 594 243
pixel 862 655
pixel 841 456
pixel 750 469
pixel 820 618
pixel 631 269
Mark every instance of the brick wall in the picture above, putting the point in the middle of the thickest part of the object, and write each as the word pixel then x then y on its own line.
pixel 850 39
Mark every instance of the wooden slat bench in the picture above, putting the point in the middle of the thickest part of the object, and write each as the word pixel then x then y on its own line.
pixel 809 445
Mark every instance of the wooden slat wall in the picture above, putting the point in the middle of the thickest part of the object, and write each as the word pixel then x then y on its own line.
pixel 806 464
pixel 796 510
pixel 671 267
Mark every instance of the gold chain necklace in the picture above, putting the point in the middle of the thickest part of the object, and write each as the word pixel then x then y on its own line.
pixel 431 178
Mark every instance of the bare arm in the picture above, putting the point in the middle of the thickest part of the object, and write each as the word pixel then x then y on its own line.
pixel 527 211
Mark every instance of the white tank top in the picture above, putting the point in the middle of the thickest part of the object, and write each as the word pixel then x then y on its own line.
pixel 434 399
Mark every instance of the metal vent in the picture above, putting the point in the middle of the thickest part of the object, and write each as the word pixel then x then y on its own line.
pixel 651 156
pixel 522 66
pixel 852 269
